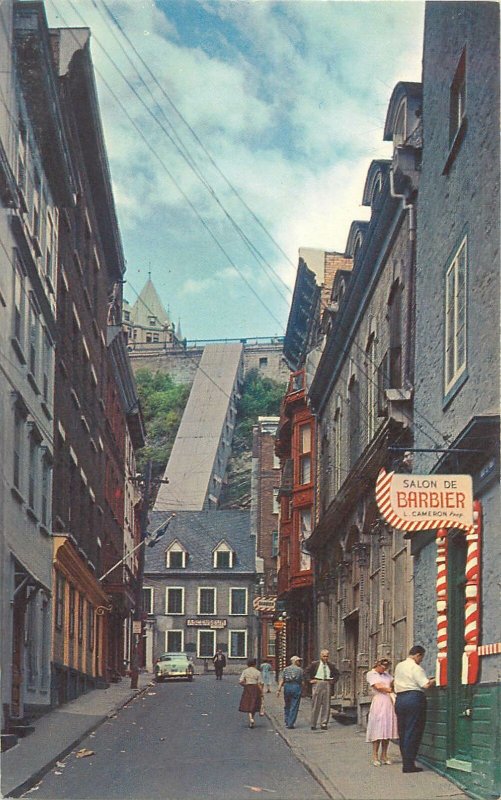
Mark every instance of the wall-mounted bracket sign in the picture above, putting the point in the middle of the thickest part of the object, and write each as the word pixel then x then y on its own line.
pixel 414 503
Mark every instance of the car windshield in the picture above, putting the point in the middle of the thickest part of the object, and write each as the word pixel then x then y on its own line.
pixel 173 657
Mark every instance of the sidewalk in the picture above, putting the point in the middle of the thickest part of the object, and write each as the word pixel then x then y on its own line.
pixel 339 759
pixel 61 730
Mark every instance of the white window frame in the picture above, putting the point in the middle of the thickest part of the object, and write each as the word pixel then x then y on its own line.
pixel 454 325
pixel 174 630
pixel 230 649
pixel 151 589
pixel 230 601
pixel 222 548
pixel 213 633
pixel 174 549
pixel 276 501
pixel 174 613
pixel 207 613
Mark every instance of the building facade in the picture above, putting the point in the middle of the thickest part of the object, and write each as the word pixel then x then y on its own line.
pixel 457 394
pixel 199 583
pixel 362 396
pixel 265 506
pixel 36 181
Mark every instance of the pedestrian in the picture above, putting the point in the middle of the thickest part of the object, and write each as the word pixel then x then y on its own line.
pixel 252 695
pixel 292 681
pixel 267 674
pixel 322 675
pixel 410 706
pixel 382 721
pixel 219 662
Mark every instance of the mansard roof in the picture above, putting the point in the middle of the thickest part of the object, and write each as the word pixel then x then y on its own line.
pixel 200 533
pixel 378 170
pixel 411 92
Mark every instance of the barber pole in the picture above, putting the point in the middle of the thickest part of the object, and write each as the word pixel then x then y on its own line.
pixel 472 599
pixel 441 664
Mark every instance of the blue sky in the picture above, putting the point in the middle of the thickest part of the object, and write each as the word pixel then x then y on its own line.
pixel 289 101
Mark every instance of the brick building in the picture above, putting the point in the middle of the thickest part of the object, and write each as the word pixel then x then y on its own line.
pixel 265 481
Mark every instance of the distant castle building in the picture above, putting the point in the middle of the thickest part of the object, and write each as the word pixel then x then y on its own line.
pixel 147 321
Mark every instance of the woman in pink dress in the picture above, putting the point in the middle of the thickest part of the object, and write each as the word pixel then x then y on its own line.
pixel 382 721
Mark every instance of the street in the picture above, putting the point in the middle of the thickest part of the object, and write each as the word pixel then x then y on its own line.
pixel 182 740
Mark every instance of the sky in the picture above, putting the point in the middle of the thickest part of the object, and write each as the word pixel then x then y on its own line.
pixel 237 133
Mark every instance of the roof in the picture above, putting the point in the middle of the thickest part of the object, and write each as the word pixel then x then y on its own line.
pixel 147 305
pixel 199 532
pixel 192 461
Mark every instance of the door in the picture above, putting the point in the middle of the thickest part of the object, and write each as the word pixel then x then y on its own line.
pixel 16 704
pixel 351 639
pixel 460 696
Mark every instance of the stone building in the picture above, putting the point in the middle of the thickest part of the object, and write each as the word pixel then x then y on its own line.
pixel 265 481
pixel 35 180
pixel 147 323
pixel 296 448
pixel 199 582
pixel 361 395
pixel 457 392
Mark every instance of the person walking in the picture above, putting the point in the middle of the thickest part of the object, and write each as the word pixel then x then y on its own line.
pixel 410 706
pixel 292 682
pixel 252 695
pixel 219 662
pixel 382 721
pixel 267 674
pixel 322 675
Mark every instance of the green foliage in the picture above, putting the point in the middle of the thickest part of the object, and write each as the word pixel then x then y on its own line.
pixel 261 397
pixel 163 403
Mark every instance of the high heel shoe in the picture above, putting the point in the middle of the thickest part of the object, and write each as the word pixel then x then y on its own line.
pixel 251 723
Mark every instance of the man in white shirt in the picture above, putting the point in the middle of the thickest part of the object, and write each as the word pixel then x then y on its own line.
pixel 410 707
pixel 322 675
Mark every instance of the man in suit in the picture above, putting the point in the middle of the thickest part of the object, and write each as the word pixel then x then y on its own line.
pixel 219 661
pixel 322 675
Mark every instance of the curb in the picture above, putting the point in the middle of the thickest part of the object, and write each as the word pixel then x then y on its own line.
pixel 23 787
pixel 316 773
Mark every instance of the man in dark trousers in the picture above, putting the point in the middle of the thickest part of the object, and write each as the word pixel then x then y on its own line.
pixel 410 706
pixel 219 662
pixel 322 675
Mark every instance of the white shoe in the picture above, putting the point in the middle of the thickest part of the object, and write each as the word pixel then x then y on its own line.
pixel 376 763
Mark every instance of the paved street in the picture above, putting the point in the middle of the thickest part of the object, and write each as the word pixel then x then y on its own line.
pixel 182 740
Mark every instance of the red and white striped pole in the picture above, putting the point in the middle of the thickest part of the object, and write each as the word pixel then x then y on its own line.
pixel 441 665
pixel 472 599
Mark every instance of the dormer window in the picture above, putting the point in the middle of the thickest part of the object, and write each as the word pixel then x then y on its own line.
pixel 223 556
pixel 176 556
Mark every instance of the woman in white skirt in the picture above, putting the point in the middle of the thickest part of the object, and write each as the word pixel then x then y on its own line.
pixel 382 721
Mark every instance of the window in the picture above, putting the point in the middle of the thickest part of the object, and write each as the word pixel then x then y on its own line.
pixel 276 461
pixel 175 600
pixel 238 601
pixel 127 316
pixel 90 626
pixel 271 640
pixel 305 454
pixel 60 582
pixel 206 601
pixel 19 305
pixel 276 501
pixel 81 602
pixel 238 644
pixel 371 389
pixel 46 365
pixel 33 471
pixel 223 559
pixel 304 534
pixel 274 543
pixel 457 99
pixel 174 641
pixel 45 491
pixel 18 445
pixel 33 343
pixel 337 449
pixel 263 362
pixel 206 644
pixel 355 420
pixel 455 318
pixel 71 612
pixel 148 599
pixel 176 559
pixel 395 332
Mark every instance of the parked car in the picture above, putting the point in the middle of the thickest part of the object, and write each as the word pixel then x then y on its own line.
pixel 174 665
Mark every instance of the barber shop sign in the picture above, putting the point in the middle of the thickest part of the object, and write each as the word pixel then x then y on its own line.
pixel 414 503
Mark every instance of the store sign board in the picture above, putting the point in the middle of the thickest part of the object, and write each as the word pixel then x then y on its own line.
pixel 214 624
pixel 425 502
